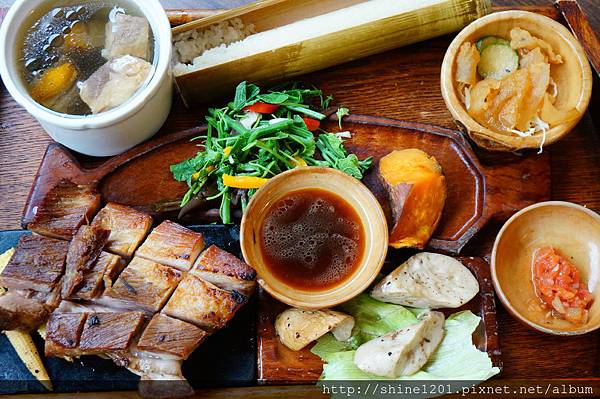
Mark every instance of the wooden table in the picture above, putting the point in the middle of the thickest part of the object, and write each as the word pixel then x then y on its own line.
pixel 575 177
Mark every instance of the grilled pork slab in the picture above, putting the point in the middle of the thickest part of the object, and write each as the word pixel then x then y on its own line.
pixel 225 270
pixel 66 207
pixel 84 249
pixel 37 264
pixel 63 332
pixel 142 285
pixel 172 245
pixel 104 332
pixel 203 304
pixel 21 313
pixel 127 226
pixel 102 274
pixel 171 338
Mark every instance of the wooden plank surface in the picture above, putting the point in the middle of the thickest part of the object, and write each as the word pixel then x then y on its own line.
pixel 376 86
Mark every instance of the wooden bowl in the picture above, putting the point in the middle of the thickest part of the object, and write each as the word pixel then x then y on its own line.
pixel 570 228
pixel 573 77
pixel 356 194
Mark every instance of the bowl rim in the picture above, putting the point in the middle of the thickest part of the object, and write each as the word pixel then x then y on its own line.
pixel 316 302
pixel 161 28
pixel 497 286
pixel 469 125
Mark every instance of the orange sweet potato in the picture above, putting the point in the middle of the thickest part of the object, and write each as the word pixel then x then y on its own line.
pixel 416 191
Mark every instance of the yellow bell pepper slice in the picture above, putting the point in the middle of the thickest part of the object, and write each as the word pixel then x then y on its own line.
pixel 299 161
pixel 208 169
pixel 53 82
pixel 227 150
pixel 243 181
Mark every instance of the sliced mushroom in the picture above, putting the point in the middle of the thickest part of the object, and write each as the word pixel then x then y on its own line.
pixel 428 280
pixel 297 328
pixel 402 352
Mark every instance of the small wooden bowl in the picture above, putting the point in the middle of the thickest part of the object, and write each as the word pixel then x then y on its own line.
pixel 356 194
pixel 573 77
pixel 570 228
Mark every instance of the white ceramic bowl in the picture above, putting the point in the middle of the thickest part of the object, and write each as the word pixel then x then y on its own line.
pixel 107 133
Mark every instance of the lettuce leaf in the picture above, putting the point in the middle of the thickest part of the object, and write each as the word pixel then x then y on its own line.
pixel 455 359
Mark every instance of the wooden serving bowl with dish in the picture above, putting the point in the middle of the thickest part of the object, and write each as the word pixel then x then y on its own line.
pixel 574 232
pixel 307 294
pixel 573 78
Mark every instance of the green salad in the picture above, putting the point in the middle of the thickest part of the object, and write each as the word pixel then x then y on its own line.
pixel 259 135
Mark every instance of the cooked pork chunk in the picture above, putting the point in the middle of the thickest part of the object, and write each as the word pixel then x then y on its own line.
pixel 143 285
pixel 102 274
pixel 172 245
pixel 37 264
pixel 203 304
pixel 20 313
pixel 402 352
pixel 127 35
pixel 127 226
pixel 64 208
pixel 170 337
pixel 84 249
pixel 225 271
pixel 109 331
pixel 114 83
pixel 428 280
pixel 63 332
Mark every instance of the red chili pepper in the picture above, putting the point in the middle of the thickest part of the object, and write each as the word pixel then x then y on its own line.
pixel 311 124
pixel 261 108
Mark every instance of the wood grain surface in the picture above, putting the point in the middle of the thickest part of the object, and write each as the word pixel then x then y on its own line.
pixel 397 85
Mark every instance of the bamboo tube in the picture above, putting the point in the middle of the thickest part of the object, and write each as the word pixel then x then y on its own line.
pixel 420 21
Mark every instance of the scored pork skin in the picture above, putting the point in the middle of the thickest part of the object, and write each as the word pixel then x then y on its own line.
pixel 63 332
pixel 203 304
pixel 84 249
pixel 172 245
pixel 171 337
pixel 37 264
pixel 128 228
pixel 225 270
pixel 100 276
pixel 63 209
pixel 104 332
pixel 143 285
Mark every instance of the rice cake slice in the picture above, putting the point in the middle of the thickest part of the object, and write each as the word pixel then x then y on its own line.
pixel 63 332
pixel 203 304
pixel 102 274
pixel 171 337
pixel 37 264
pixel 109 331
pixel 144 285
pixel 64 209
pixel 225 270
pixel 127 226
pixel 173 245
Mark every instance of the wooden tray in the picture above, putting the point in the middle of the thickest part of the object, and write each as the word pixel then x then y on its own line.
pixel 279 365
pixel 476 192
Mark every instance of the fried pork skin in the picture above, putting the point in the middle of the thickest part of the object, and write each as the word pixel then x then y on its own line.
pixel 225 270
pixel 104 332
pixel 171 338
pixel 102 274
pixel 142 285
pixel 172 245
pixel 64 208
pixel 128 228
pixel 203 304
pixel 84 249
pixel 63 332
pixel 37 264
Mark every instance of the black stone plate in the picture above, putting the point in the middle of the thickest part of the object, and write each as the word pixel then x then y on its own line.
pixel 227 358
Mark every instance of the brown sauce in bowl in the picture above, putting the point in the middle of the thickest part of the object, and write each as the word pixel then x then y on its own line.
pixel 312 239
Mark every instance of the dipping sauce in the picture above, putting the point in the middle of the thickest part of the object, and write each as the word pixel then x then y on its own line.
pixel 312 239
pixel 559 287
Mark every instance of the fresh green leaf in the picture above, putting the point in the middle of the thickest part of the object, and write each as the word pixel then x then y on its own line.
pixel 273 98
pixel 341 112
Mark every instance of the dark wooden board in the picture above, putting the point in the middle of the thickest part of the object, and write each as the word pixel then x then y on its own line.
pixel 278 364
pixel 227 358
pixel 477 193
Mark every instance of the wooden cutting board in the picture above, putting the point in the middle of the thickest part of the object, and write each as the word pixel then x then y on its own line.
pixel 278 364
pixel 477 193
